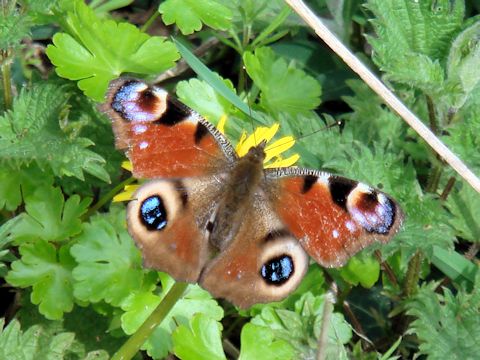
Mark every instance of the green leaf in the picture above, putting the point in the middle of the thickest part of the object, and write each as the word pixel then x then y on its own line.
pixel 49 217
pixel 216 82
pixel 109 265
pixel 200 340
pixel 283 86
pixel 93 54
pixel 301 328
pixel 141 304
pixel 454 265
pixel 14 27
pixel 48 271
pixel 190 14
pixel 32 344
pixel 31 132
pixel 258 342
pixel 17 182
pixel 447 324
pixel 465 207
pixel 361 269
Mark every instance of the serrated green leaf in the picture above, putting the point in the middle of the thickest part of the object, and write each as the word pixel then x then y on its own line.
pixel 200 340
pixel 283 86
pixel 140 305
pixel 48 217
pixel 464 60
pixel 31 132
pixel 447 324
pixel 258 342
pixel 109 265
pixel 465 207
pixel 361 269
pixel 48 271
pixel 18 345
pixel 189 15
pixel 300 328
pixel 14 26
pixel 92 54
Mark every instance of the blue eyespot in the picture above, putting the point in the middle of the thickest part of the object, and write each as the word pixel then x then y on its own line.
pixel 153 213
pixel 278 270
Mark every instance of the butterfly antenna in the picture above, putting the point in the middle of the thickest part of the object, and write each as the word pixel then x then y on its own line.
pixel 338 123
pixel 249 102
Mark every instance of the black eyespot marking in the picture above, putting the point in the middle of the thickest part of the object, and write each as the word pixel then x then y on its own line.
pixel 153 213
pixel 210 226
pixel 308 182
pixel 340 189
pixel 278 270
pixel 176 112
pixel 200 132
pixel 276 234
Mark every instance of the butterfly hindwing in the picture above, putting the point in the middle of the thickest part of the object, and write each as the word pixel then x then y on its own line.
pixel 331 216
pixel 263 263
pixel 163 137
pixel 168 221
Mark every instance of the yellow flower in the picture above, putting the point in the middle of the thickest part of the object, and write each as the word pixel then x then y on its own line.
pixel 273 152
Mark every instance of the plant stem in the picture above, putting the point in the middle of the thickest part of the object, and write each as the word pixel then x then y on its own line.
pixel 107 197
pixel 431 115
pixel 327 314
pixel 149 22
pixel 447 189
pixel 413 275
pixel 434 178
pixel 386 267
pixel 133 344
pixel 7 84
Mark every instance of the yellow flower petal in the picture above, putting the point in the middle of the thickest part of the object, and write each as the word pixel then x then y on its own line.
pixel 126 194
pixel 279 162
pixel 278 147
pixel 221 124
pixel 127 165
pixel 260 134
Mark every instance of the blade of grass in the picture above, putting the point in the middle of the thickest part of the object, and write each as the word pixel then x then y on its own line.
pixel 215 82
pixel 454 265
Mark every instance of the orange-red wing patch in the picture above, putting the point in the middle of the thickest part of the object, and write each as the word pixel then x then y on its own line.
pixel 323 222
pixel 171 151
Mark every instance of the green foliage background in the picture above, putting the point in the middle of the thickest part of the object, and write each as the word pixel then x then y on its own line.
pixel 72 284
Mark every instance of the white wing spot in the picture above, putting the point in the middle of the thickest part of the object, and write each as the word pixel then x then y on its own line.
pixel 143 145
pixel 350 226
pixel 139 129
pixel 335 234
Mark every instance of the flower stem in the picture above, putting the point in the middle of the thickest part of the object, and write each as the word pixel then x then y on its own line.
pixel 413 275
pixel 150 21
pixel 133 344
pixel 107 197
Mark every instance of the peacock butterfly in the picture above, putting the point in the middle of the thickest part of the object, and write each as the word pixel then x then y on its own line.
pixel 208 216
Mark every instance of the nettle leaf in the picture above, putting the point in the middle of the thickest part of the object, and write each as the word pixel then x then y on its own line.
pixel 463 62
pixel 258 342
pixel 49 217
pixel 447 323
pixel 301 328
pixel 361 269
pixel 141 304
pixel 465 207
pixel 97 51
pixel 18 345
pixel 48 271
pixel 31 132
pixel 189 15
pixel 201 339
pixel 276 79
pixel 14 26
pixel 109 265
pixel 412 36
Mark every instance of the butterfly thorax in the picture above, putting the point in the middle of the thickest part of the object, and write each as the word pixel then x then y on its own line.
pixel 242 183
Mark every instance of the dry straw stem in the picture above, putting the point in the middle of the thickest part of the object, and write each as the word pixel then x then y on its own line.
pixel 390 99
